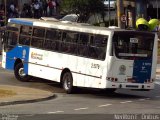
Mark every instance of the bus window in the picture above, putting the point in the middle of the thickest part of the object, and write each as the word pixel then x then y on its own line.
pixel 69 40
pixel 36 42
pixel 38 37
pixel 97 49
pixel 52 39
pixel 38 32
pixel 24 40
pixel 12 38
pixel 26 30
pixel 83 45
pixel 133 45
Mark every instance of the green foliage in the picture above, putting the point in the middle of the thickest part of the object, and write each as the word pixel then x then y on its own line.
pixel 84 8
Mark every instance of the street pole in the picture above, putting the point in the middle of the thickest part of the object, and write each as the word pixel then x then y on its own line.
pixel 120 12
pixel 157 8
pixel 109 15
pixel 5 11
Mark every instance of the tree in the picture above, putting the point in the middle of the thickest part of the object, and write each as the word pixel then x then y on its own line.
pixel 83 8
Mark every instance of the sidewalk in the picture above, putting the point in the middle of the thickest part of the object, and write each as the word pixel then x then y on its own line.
pixel 14 92
pixel 22 95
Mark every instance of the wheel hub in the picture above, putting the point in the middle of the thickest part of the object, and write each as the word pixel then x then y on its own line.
pixel 21 72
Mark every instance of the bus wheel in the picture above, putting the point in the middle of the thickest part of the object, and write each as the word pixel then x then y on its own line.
pixel 67 82
pixel 19 73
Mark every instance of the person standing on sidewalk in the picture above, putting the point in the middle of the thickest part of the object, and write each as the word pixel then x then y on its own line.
pixel 2 15
pixel 36 8
pixel 52 7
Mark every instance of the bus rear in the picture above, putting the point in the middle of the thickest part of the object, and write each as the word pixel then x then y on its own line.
pixel 133 60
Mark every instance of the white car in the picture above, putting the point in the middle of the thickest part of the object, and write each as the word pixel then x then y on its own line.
pixel 65 19
pixel 70 17
pixel 112 4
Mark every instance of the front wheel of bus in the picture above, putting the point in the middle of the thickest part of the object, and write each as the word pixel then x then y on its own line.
pixel 67 82
pixel 19 73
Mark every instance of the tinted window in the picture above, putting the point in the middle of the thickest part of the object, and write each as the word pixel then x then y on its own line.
pixel 69 40
pixel 11 39
pixel 98 45
pixel 83 45
pixel 53 39
pixel 26 30
pixel 133 45
pixel 38 37
pixel 24 40
pixel 38 32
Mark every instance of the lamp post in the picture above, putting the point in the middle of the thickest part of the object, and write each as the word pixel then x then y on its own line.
pixel 157 8
pixel 5 3
pixel 109 15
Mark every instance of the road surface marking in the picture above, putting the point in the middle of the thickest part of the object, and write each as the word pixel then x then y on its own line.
pixel 29 115
pixel 55 112
pixel 158 83
pixel 81 109
pixel 126 102
pixel 105 105
pixel 142 99
pixel 148 98
pixel 6 73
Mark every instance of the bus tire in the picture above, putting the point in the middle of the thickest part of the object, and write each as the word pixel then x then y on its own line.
pixel 19 73
pixel 67 82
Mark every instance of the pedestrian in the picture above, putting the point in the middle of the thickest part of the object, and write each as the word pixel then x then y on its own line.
pixel 54 7
pixel 45 6
pixel 2 15
pixel 36 9
pixel 11 10
pixel 51 7
pixel 40 8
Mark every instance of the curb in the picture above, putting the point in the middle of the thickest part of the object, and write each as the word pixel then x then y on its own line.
pixel 27 101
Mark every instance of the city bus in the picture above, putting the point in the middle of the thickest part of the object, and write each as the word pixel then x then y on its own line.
pixel 79 55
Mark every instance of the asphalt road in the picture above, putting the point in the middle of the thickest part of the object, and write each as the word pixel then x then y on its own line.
pixel 84 104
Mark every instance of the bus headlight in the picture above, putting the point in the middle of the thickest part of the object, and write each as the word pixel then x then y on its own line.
pixel 122 69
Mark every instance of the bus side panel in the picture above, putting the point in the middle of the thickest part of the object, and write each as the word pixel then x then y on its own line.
pixel 94 72
pixel 43 64
pixel 44 72
pixel 21 53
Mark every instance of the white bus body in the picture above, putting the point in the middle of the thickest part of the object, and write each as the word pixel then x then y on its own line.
pixel 128 70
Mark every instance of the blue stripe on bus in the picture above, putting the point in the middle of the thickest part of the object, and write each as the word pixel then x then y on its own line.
pixel 23 22
pixel 21 53
pixel 142 70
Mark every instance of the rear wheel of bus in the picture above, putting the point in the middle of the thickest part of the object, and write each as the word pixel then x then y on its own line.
pixel 67 82
pixel 19 73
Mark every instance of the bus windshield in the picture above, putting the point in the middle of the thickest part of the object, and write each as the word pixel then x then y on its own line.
pixel 133 45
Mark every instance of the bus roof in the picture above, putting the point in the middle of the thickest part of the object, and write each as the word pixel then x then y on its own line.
pixel 71 26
